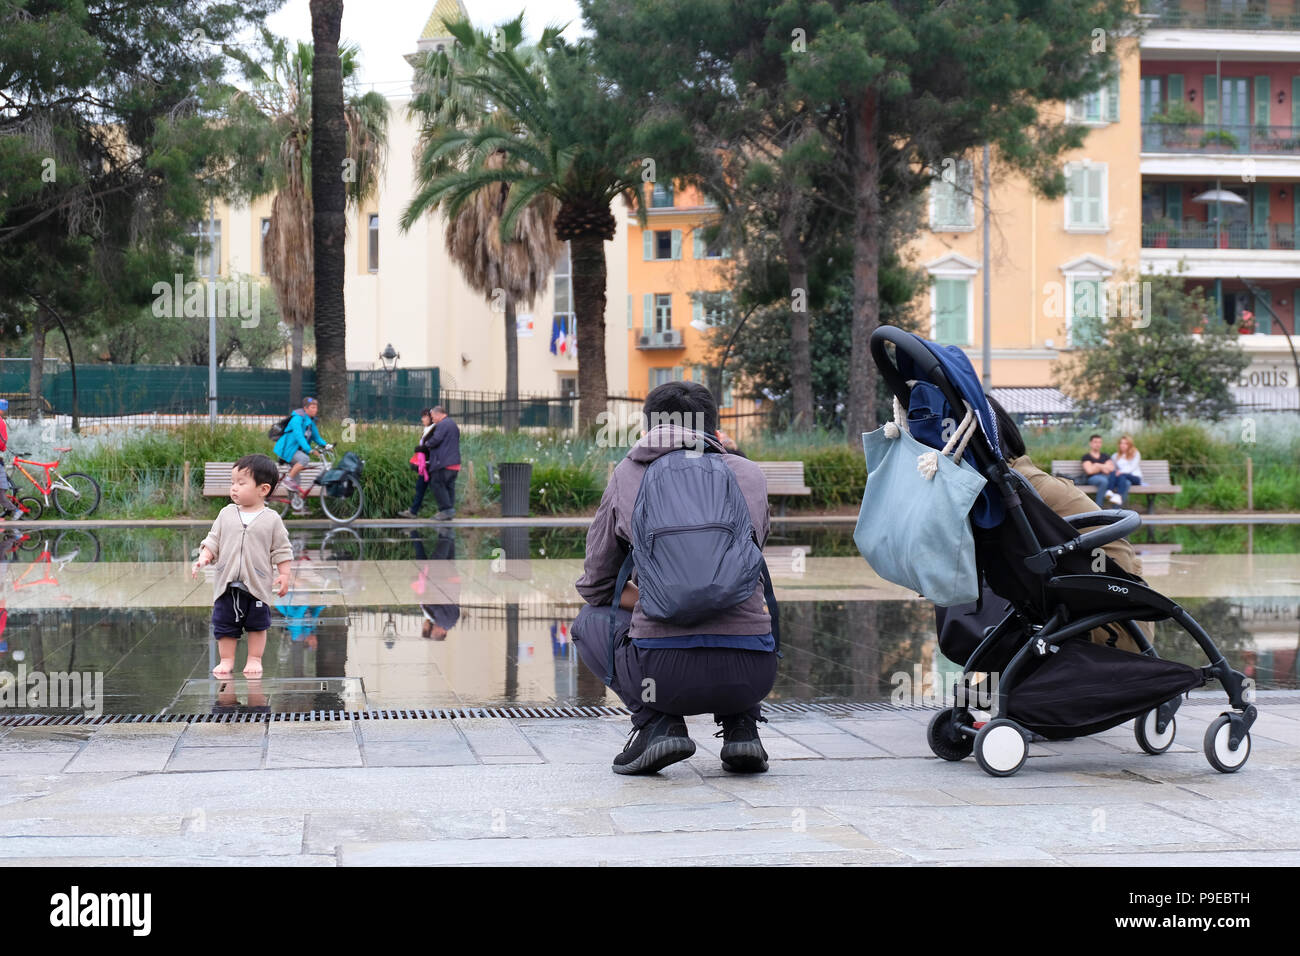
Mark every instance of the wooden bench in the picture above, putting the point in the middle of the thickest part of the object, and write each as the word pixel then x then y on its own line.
pixel 216 478
pixel 1155 479
pixel 783 478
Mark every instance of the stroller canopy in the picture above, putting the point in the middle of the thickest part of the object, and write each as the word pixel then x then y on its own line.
pixel 988 511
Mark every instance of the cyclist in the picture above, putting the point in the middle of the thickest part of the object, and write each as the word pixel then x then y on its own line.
pixel 295 446
pixel 7 506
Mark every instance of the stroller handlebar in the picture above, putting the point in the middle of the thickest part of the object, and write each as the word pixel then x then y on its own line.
pixel 1118 524
pixel 927 365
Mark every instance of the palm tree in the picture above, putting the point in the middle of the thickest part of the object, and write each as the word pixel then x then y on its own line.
pixel 329 204
pixel 280 95
pixel 518 267
pixel 554 130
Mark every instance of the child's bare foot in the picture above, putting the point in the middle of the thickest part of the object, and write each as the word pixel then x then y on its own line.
pixel 225 668
pixel 253 667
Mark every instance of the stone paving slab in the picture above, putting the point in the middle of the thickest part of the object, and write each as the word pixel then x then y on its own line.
pixel 859 790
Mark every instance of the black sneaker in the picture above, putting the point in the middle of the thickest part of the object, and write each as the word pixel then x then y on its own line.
pixel 742 751
pixel 659 743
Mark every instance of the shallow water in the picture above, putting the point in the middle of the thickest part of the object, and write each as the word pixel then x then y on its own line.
pixel 352 633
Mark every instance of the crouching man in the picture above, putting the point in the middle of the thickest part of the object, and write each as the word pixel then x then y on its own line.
pixel 680 616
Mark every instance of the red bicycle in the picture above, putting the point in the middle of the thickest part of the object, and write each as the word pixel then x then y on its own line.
pixel 76 495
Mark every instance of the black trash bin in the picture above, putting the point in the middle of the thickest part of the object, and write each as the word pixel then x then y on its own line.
pixel 516 478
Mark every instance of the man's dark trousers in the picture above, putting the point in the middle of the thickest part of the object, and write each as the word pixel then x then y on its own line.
pixel 651 681
pixel 443 483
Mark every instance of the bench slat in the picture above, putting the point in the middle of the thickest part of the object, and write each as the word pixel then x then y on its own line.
pixel 216 477
pixel 784 477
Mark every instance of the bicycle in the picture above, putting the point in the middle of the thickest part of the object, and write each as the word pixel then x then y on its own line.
pixel 27 507
pixel 68 547
pixel 342 507
pixel 75 494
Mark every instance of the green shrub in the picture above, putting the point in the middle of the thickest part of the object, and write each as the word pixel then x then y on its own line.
pixel 836 476
pixel 1226 493
pixel 1188 447
pixel 561 489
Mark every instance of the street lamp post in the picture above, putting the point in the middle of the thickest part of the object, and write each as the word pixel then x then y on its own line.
pixel 388 358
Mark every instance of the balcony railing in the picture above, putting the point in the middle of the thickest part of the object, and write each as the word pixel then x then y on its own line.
pixel 1205 235
pixel 1228 140
pixel 1172 15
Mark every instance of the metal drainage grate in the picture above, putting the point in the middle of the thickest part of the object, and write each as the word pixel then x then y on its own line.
pixel 784 708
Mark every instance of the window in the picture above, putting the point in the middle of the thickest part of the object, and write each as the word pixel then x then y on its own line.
pixel 1096 108
pixel 563 284
pixel 727 400
pixel 661 196
pixel 663 312
pixel 374 243
pixel 661 376
pixel 266 231
pixel 706 247
pixel 951 304
pixel 709 309
pixel 568 386
pixel 661 244
pixel 209 249
pixel 1085 197
pixel 1085 316
pixel 952 199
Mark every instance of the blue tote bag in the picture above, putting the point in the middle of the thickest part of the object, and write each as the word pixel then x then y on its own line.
pixel 914 526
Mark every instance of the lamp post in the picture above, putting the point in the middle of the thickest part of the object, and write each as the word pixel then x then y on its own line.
pixel 388 358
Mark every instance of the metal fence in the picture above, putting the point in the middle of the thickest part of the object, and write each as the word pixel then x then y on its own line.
pixel 180 392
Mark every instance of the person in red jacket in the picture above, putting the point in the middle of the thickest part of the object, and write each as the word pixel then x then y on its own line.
pixel 7 507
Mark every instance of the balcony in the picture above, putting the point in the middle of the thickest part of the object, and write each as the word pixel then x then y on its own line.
pixel 1204 235
pixel 1239 15
pixel 1220 140
pixel 667 339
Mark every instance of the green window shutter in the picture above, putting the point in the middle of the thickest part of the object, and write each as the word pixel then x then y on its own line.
pixel 630 324
pixel 677 373
pixel 965 197
pixel 697 243
pixel 647 313
pixel 1112 100
pixel 1261 100
pixel 1174 201
pixel 1211 98
pixel 1295 308
pixel 1174 87
pixel 697 309
pixel 647 245
pixel 677 243
pixel 652 379
pixel 1096 183
pixel 1074 197
pixel 1263 311
pixel 1295 103
pixel 950 311
pixel 1085 321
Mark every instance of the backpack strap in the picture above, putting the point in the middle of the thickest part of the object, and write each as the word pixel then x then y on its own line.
pixel 769 595
pixel 624 573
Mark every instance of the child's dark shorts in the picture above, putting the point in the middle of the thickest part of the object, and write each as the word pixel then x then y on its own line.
pixel 237 611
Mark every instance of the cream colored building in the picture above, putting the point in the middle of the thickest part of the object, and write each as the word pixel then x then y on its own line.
pixel 405 290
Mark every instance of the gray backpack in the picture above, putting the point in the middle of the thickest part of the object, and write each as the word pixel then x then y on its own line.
pixel 693 544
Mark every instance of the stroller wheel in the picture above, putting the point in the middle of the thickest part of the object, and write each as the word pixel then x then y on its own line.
pixel 1001 748
pixel 1144 729
pixel 944 738
pixel 1218 750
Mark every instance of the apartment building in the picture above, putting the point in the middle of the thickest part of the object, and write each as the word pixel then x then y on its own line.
pixel 1190 166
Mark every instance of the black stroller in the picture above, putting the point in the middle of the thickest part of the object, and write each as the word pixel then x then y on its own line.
pixel 1034 667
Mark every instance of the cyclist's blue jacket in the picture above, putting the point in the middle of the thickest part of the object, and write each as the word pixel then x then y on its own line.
pixel 299 435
